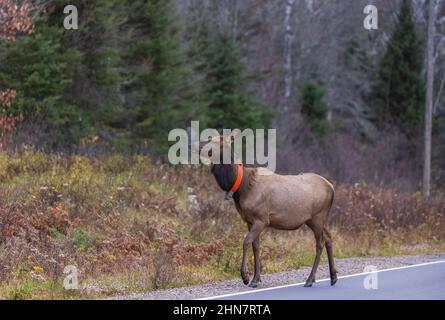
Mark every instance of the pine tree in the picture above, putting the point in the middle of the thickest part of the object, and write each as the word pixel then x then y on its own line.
pixel 230 106
pixel 197 41
pixel 160 94
pixel 40 69
pixel 399 89
pixel 98 87
pixel 102 64
pixel 314 108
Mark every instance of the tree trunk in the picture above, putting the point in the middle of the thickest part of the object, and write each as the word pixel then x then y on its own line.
pixel 429 100
pixel 288 40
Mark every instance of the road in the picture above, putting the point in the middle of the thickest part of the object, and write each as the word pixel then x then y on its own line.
pixel 413 282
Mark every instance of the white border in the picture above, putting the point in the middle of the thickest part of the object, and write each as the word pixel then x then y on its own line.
pixel 326 279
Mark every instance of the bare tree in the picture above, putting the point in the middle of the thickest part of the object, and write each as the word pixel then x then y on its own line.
pixel 429 100
pixel 288 40
pixel 438 56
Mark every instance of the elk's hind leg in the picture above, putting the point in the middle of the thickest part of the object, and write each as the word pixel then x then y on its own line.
pixel 332 269
pixel 317 228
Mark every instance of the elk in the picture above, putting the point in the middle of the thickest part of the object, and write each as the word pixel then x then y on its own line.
pixel 268 200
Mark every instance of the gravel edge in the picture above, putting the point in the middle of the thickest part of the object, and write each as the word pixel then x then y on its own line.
pixel 344 267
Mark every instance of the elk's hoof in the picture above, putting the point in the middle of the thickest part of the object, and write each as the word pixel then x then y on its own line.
pixel 333 280
pixel 245 279
pixel 253 284
pixel 309 283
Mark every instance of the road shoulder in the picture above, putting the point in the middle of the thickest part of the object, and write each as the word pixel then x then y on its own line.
pixel 344 266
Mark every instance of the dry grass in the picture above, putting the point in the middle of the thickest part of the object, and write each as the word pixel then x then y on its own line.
pixel 134 224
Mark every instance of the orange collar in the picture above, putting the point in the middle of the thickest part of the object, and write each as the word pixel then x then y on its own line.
pixel 239 178
pixel 236 185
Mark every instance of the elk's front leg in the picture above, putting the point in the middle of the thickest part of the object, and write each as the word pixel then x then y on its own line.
pixel 254 233
pixel 257 263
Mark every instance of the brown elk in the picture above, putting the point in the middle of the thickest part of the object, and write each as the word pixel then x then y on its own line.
pixel 286 202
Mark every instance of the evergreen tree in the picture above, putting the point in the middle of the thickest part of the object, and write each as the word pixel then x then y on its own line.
pixel 40 69
pixel 197 42
pixel 399 90
pixel 161 94
pixel 127 74
pixel 314 108
pixel 101 37
pixel 229 105
pixel 97 90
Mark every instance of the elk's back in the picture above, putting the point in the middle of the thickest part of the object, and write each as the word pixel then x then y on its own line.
pixel 287 201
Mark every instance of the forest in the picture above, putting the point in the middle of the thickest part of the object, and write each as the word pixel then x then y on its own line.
pixel 134 70
pixel 86 112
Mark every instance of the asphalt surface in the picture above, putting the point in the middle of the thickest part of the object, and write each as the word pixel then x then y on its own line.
pixel 414 282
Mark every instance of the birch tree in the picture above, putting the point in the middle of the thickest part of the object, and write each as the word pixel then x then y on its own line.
pixel 429 99
pixel 288 41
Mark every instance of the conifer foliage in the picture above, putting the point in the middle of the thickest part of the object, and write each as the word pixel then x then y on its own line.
pixel 127 76
pixel 230 105
pixel 399 91
pixel 314 108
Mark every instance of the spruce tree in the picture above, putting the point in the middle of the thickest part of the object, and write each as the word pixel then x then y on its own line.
pixel 197 42
pixel 103 68
pixel 314 108
pixel 41 69
pixel 102 38
pixel 399 89
pixel 160 91
pixel 230 106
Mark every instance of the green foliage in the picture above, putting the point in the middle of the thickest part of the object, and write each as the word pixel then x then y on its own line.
pixel 229 104
pixel 160 92
pixel 82 241
pixel 98 86
pixel 40 69
pixel 399 90
pixel 101 29
pixel 127 76
pixel 314 108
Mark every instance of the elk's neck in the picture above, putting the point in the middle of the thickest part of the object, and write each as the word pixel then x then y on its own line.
pixel 225 176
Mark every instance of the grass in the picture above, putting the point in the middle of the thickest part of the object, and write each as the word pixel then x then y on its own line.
pixel 132 224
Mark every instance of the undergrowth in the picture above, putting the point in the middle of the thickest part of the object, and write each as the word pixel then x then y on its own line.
pixel 133 224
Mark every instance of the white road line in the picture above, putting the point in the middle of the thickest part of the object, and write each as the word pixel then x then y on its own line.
pixel 326 279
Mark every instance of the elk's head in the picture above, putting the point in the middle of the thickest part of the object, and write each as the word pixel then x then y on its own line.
pixel 216 150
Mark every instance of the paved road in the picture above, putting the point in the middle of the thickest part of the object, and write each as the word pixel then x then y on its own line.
pixel 422 281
